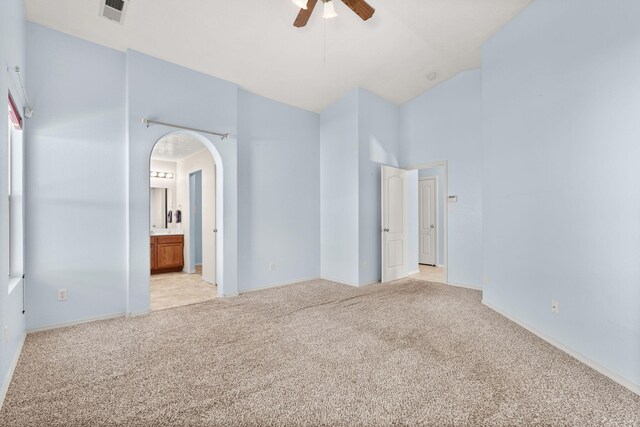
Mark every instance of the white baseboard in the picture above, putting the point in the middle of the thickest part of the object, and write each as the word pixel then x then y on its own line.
pixel 355 285
pixel 235 294
pixel 374 282
pixel 276 285
pixel 79 322
pixel 458 285
pixel 413 272
pixel 440 265
pixel 133 314
pixel 12 368
pixel 342 282
pixel 635 388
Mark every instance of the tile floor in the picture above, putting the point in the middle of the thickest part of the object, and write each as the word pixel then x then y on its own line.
pixel 177 289
pixel 430 274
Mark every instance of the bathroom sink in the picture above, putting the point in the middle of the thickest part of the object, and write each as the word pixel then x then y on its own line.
pixel 166 231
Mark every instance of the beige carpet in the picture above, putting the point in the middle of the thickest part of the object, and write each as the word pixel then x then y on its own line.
pixel 318 353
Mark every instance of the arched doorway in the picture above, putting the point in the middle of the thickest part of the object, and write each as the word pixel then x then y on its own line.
pixel 141 140
pixel 185 217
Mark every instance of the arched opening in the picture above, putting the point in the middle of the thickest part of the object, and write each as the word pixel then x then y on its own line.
pixel 185 220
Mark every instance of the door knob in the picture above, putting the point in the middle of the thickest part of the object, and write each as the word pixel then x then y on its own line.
pixel 433 226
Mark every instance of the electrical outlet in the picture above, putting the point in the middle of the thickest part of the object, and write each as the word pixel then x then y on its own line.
pixel 62 294
pixel 555 307
pixel 485 280
pixel 5 335
pixel 272 266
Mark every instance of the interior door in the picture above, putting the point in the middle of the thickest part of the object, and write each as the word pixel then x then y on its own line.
pixel 394 224
pixel 428 221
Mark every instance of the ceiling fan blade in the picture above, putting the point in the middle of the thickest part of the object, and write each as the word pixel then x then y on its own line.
pixel 361 8
pixel 305 14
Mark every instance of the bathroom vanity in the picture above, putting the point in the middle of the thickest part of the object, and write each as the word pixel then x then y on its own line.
pixel 166 252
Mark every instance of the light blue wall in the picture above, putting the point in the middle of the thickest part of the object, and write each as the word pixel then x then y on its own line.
pixel 445 123
pixel 75 187
pixel 163 91
pixel 562 193
pixel 378 145
pixel 442 207
pixel 12 53
pixel 339 158
pixel 279 192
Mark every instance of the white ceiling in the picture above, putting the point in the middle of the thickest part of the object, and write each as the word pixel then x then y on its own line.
pixel 254 44
pixel 176 146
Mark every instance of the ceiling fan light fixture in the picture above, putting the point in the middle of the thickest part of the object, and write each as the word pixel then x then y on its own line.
pixel 329 10
pixel 302 4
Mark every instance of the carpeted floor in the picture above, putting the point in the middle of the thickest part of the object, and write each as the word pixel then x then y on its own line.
pixel 316 353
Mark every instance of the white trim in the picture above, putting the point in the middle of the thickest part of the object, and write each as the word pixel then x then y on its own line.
pixel 635 388
pixel 342 282
pixel 440 265
pixel 373 282
pixel 80 322
pixel 460 285
pixel 355 285
pixel 411 273
pixel 134 314
pixel 275 285
pixel 12 368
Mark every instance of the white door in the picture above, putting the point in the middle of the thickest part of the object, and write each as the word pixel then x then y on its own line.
pixel 428 221
pixel 394 224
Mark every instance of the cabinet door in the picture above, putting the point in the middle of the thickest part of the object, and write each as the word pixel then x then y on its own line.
pixel 169 255
pixel 153 255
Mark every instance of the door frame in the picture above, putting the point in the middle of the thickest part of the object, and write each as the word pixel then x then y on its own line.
pixel 192 227
pixel 444 164
pixel 437 216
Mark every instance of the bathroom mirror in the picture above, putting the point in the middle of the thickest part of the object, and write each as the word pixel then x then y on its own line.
pixel 160 203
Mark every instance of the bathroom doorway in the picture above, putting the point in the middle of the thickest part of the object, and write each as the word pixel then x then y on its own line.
pixel 182 222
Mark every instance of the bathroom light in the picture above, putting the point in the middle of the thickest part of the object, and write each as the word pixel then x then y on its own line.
pixel 329 10
pixel 302 4
pixel 167 175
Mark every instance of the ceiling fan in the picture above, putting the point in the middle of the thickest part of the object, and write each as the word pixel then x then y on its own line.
pixel 360 7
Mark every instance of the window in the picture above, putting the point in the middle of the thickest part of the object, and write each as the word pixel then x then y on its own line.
pixel 15 194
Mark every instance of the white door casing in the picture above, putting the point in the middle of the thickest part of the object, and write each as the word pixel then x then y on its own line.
pixel 394 223
pixel 427 191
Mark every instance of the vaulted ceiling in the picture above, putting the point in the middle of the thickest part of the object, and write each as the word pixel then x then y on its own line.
pixel 395 54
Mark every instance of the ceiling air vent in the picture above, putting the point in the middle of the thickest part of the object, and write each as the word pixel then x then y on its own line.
pixel 113 10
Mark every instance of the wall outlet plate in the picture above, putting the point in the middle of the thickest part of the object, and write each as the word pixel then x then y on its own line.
pixel 555 307
pixel 62 294
pixel 272 266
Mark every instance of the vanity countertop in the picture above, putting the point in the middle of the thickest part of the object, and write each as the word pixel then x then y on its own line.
pixel 166 231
